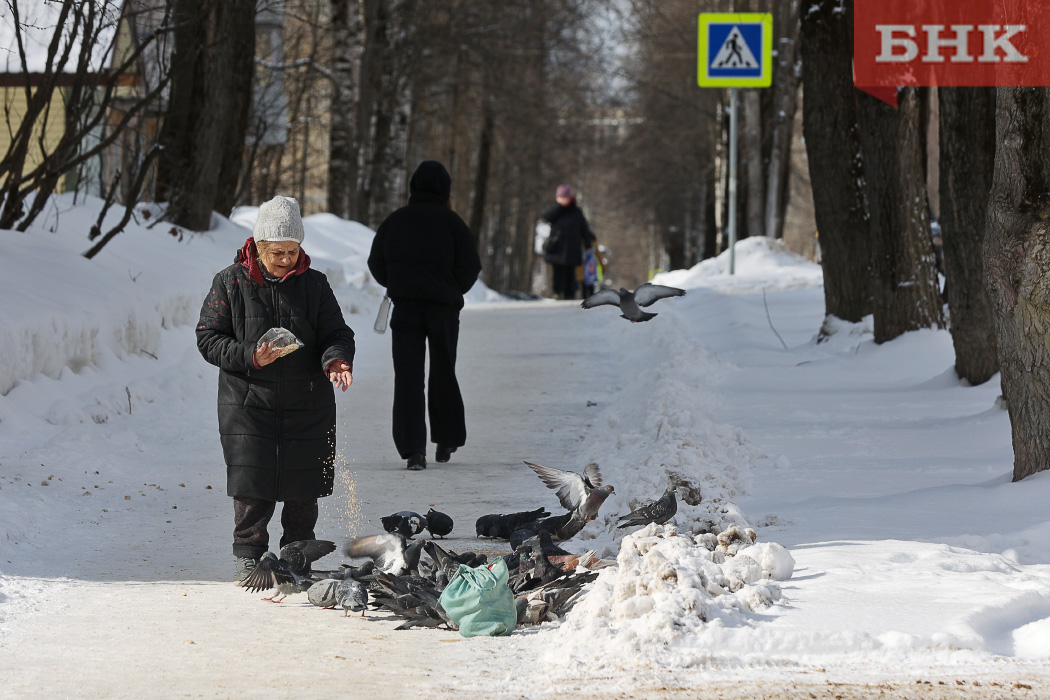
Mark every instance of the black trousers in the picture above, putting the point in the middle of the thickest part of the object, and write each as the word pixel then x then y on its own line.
pixel 415 325
pixel 564 281
pixel 252 515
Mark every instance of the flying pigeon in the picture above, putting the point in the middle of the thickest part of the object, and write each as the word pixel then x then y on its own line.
pixel 290 572
pixel 390 552
pixel 581 494
pixel 658 511
pixel 405 523
pixel 630 302
pixel 438 524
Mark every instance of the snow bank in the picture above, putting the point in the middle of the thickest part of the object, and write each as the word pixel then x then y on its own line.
pixel 760 263
pixel 661 430
pixel 665 592
pixel 62 310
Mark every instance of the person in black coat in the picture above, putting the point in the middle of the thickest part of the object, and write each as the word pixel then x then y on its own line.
pixel 569 236
pixel 426 257
pixel 276 409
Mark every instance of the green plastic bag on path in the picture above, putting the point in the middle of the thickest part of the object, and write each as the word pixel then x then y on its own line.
pixel 480 602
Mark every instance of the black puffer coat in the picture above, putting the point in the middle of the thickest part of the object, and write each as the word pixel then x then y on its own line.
pixel 277 423
pixel 569 235
pixel 424 251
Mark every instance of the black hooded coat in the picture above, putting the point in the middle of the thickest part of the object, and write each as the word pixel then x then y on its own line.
pixel 569 235
pixel 276 423
pixel 424 251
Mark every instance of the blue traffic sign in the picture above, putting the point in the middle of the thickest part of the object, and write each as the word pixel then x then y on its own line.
pixel 735 50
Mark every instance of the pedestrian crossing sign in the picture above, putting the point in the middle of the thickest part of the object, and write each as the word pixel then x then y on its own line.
pixel 735 49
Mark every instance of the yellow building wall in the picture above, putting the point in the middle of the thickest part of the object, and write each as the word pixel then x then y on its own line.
pixel 51 124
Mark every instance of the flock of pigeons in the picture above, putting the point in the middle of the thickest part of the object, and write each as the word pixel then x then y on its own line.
pixel 406 577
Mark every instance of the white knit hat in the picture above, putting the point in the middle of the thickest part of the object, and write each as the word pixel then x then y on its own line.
pixel 279 220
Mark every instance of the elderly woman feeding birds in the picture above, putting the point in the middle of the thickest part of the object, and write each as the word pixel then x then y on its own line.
pixel 276 397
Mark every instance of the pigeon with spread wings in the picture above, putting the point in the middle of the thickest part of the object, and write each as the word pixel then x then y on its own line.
pixel 390 552
pixel 289 573
pixel 630 303
pixel 581 494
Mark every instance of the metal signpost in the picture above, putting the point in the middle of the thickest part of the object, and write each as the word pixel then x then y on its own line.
pixel 735 51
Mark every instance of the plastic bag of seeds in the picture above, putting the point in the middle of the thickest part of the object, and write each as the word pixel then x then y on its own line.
pixel 284 341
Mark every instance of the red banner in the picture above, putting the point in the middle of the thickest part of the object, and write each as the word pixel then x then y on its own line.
pixel 951 43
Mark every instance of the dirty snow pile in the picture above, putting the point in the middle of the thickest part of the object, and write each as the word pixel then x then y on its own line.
pixel 666 590
pixel 675 586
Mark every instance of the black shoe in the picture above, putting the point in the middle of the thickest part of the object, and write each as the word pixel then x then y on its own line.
pixel 417 462
pixel 443 454
pixel 245 565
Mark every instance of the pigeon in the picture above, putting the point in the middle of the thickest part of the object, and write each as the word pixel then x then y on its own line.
pixel 438 524
pixel 581 494
pixel 630 303
pixel 563 526
pixel 289 573
pixel 501 526
pixel 444 561
pixel 658 511
pixel 414 600
pixel 352 597
pixel 553 600
pixel 405 523
pixel 390 552
pixel 348 594
pixel 323 593
pixel 364 573
pixel 539 540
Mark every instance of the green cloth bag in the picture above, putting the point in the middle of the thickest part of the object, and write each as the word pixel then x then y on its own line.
pixel 480 601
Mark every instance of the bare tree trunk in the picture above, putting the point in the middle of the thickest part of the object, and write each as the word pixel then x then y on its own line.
pixel 342 154
pixel 906 292
pixel 231 90
pixel 207 116
pixel 481 174
pixel 374 24
pixel 753 200
pixel 967 162
pixel 1017 262
pixel 709 225
pixel 835 164
pixel 785 92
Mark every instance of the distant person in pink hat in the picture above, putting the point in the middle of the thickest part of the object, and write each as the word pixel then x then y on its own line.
pixel 569 237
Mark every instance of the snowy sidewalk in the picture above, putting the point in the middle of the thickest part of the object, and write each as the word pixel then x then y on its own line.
pixel 127 592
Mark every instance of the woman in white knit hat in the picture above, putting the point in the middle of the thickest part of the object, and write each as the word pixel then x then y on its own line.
pixel 276 409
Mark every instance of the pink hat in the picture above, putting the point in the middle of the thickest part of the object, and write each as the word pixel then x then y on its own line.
pixel 564 191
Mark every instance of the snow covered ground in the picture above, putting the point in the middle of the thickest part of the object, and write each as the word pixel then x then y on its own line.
pixel 913 566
